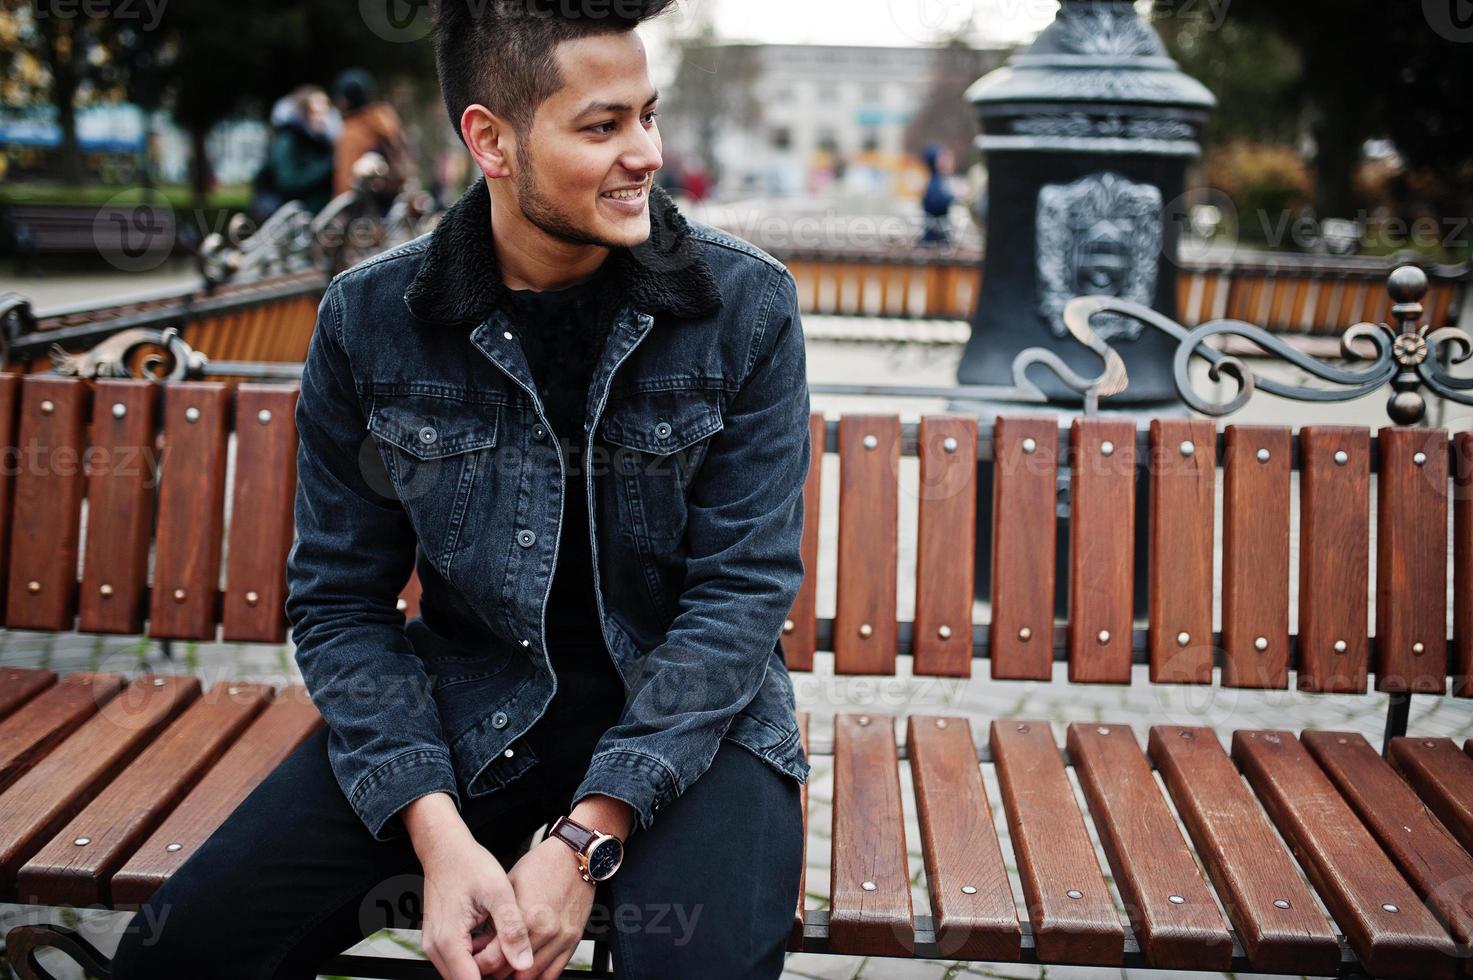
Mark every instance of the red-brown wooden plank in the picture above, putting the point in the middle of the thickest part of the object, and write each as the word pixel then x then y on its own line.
pixel 869 878
pixel 1442 776
pixel 121 487
pixel 1438 869
pixel 800 632
pixel 946 545
pixel 1170 907
pixel 37 728
pixel 1068 901
pixel 1280 926
pixel 408 603
pixel 261 513
pixel 186 576
pixel 966 875
pixel 48 503
pixel 36 806
pixel 1255 557
pixel 865 627
pixel 20 684
pixel 70 872
pixel 1411 560
pixel 1334 558
pixel 1463 563
pixel 1385 922
pixel 1101 549
pixel 10 385
pixel 795 938
pixel 1024 526
pixel 1183 475
pixel 277 732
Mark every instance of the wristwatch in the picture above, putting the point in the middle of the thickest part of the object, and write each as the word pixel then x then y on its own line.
pixel 599 855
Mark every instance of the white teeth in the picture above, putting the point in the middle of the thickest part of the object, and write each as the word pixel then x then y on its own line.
pixel 627 195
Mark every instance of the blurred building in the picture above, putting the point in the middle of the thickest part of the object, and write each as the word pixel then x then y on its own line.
pixel 787 119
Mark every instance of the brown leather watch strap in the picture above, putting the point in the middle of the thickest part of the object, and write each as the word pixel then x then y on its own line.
pixel 575 834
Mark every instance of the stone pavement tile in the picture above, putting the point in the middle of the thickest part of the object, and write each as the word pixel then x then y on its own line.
pixel 896 968
pixel 828 966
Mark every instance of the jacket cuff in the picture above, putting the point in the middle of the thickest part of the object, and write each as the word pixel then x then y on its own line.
pixel 643 781
pixel 391 787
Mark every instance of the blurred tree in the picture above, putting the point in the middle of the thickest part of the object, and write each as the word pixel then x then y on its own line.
pixel 1362 69
pixel 715 87
pixel 945 116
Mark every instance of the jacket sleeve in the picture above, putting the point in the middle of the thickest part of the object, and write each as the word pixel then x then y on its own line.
pixel 744 533
pixel 353 554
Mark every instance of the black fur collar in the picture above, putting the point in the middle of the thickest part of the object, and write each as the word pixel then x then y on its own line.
pixel 459 282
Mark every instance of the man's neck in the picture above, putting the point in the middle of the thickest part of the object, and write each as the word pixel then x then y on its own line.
pixel 529 258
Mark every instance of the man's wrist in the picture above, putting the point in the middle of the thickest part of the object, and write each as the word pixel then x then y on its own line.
pixel 433 822
pixel 605 814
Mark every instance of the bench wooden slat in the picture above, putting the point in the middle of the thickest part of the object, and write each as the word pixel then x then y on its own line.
pixel 261 513
pixel 274 734
pixel 1463 563
pixel 186 576
pixel 865 627
pixel 1068 902
pixel 48 504
pixel 868 842
pixel 1411 560
pixel 1353 876
pixel 36 806
pixel 1170 907
pixel 1182 501
pixel 1255 556
pixel 56 712
pixel 1334 562
pixel 1280 925
pixel 960 845
pixel 20 684
pixel 1442 776
pixel 795 938
pixel 1439 870
pixel 117 820
pixel 1024 539
pixel 120 507
pixel 10 385
pixel 800 632
pixel 1101 550
pixel 946 545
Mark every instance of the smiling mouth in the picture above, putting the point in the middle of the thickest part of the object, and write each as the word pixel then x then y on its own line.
pixel 629 194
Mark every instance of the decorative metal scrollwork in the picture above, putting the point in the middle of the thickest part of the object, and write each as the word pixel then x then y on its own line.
pixel 1407 356
pixel 110 359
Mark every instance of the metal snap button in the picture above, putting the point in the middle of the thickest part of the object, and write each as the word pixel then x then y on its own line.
pixel 428 435
pixel 498 720
pixel 526 539
pixel 538 432
pixel 663 430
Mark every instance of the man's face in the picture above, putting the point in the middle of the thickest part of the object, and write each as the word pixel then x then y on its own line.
pixel 584 171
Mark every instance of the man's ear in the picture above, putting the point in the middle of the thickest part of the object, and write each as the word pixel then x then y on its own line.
pixel 490 139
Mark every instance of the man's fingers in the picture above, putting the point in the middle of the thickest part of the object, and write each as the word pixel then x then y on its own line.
pixel 490 958
pixel 453 959
pixel 511 929
pixel 555 968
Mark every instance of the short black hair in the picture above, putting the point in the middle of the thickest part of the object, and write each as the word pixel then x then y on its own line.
pixel 500 53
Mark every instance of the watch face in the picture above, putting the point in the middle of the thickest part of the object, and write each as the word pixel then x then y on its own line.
pixel 604 859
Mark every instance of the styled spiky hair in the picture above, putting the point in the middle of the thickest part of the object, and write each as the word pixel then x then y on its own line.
pixel 500 53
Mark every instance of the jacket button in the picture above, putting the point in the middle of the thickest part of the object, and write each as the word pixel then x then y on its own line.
pixel 663 430
pixel 498 720
pixel 428 434
pixel 539 433
pixel 526 539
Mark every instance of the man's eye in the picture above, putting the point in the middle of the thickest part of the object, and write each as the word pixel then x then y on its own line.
pixel 604 127
pixel 649 117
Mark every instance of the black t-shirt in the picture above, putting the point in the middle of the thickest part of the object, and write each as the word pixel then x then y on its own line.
pixel 562 333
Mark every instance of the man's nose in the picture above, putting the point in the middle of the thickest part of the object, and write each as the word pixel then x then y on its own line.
pixel 643 155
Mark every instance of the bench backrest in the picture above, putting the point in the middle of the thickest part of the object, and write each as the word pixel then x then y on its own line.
pixel 225 504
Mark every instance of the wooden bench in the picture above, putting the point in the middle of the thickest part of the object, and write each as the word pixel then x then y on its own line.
pixel 105 230
pixel 108 783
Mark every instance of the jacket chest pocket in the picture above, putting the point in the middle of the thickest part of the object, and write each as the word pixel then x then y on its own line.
pixel 435 449
pixel 656 442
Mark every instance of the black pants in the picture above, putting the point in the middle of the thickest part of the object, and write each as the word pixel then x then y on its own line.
pixel 293 877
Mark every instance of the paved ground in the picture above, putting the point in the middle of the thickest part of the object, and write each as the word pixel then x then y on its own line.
pixel 822 693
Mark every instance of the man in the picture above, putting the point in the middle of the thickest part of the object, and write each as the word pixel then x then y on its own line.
pixel 583 421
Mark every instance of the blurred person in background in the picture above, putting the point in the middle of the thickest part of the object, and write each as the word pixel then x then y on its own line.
pixel 937 200
pixel 370 125
pixel 299 156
